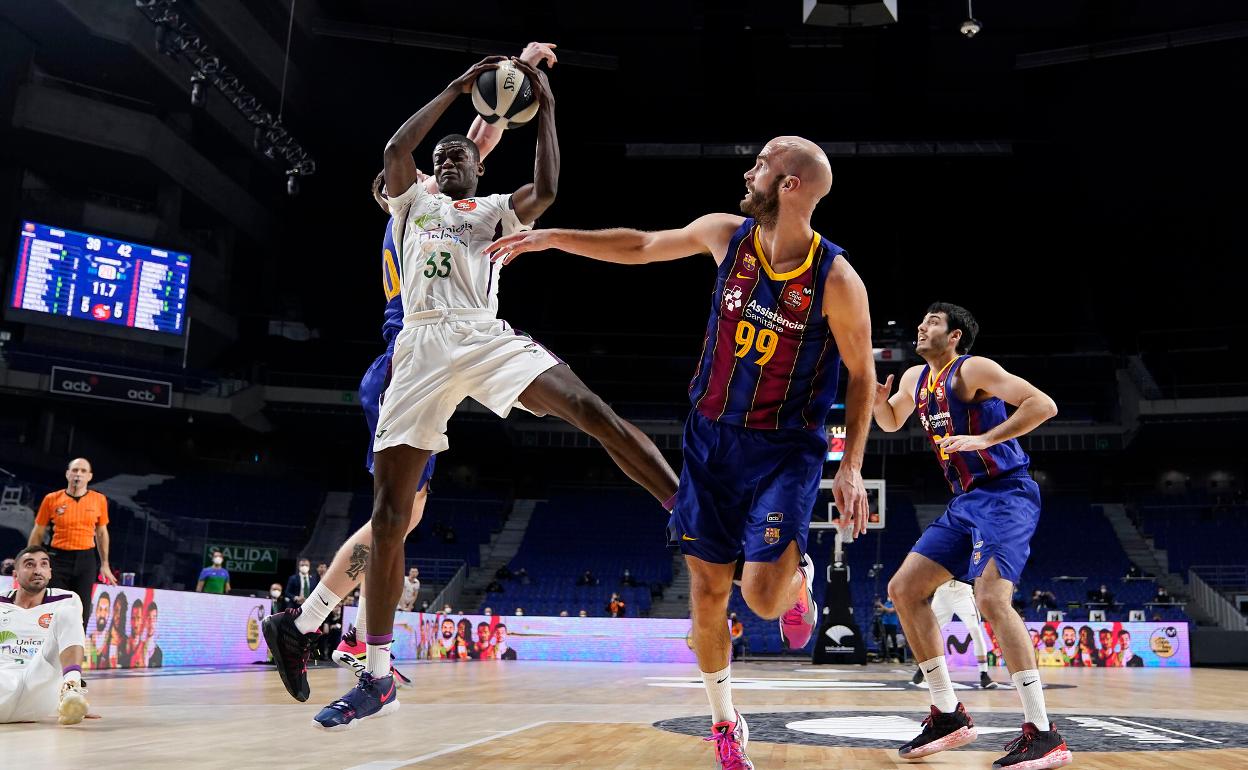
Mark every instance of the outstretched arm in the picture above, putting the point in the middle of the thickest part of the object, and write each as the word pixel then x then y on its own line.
pixel 707 234
pixel 849 318
pixel 532 200
pixel 1034 405
pixel 891 411
pixel 400 167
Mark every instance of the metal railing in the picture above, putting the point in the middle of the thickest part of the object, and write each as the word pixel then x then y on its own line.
pixel 1211 600
pixel 454 587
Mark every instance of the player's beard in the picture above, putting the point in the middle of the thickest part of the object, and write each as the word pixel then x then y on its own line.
pixel 763 204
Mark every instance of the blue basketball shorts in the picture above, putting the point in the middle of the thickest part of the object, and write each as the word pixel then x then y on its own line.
pixel 372 392
pixel 745 491
pixel 993 521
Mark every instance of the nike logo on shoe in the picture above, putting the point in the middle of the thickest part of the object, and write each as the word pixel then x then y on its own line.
pixel 388 695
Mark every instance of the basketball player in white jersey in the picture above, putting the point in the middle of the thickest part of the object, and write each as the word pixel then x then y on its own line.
pixel 958 598
pixel 453 347
pixel 290 635
pixel 41 646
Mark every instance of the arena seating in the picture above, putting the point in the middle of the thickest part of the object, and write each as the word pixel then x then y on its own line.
pixel 474 517
pixel 1195 529
pixel 236 497
pixel 575 531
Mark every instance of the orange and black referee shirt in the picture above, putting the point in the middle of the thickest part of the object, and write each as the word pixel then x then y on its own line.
pixel 73 519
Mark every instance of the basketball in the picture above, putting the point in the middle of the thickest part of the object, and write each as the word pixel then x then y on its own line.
pixel 504 96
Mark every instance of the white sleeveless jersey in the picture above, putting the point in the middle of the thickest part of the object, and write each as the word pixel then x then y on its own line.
pixel 36 636
pixel 441 242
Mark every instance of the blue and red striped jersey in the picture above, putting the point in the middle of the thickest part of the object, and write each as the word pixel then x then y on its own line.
pixel 769 360
pixel 944 414
pixel 392 286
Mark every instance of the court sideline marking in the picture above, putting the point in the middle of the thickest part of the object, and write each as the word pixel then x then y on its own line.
pixel 394 764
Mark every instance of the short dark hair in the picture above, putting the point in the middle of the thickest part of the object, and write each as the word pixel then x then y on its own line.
pixel 958 319
pixel 152 608
pixel 29 550
pixel 461 139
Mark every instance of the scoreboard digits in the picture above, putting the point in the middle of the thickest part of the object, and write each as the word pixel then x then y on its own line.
pixel 100 279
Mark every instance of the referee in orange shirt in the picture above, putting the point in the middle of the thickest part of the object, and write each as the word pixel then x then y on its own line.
pixel 79 520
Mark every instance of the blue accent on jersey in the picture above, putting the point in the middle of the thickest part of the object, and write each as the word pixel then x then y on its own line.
pixel 993 521
pixel 943 414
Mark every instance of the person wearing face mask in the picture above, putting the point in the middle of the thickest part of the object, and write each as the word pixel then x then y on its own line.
pixel 300 585
pixel 214 579
pixel 275 593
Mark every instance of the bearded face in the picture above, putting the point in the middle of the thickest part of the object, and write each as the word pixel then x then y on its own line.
pixel 763 202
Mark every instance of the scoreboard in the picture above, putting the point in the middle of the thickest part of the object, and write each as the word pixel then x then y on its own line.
pixel 99 279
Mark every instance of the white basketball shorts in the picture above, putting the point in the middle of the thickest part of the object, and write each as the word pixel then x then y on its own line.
pixel 29 693
pixel 955 598
pixel 443 357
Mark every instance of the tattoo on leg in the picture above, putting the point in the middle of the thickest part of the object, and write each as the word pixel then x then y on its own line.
pixel 359 560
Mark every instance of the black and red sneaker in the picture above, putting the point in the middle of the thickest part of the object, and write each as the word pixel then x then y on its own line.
pixel 290 650
pixel 941 732
pixel 1036 749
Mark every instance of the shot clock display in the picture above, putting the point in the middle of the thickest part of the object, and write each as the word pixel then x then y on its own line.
pixel 99 279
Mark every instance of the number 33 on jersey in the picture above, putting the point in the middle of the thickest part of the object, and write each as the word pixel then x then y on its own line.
pixel 439 260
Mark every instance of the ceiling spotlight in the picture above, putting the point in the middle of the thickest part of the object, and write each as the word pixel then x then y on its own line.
pixel 971 27
pixel 292 182
pixel 197 89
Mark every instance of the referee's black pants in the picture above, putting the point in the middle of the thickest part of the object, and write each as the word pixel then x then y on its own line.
pixel 76 571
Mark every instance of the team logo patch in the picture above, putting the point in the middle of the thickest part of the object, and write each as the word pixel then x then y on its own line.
pixel 771 535
pixel 796 298
pixel 775 517
pixel 940 392
pixel 45 620
pixel 750 263
pixel 732 298
pixel 923 395
pixel 465 205
pixel 976 557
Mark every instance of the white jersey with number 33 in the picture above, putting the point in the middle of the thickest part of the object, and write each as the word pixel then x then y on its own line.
pixel 441 242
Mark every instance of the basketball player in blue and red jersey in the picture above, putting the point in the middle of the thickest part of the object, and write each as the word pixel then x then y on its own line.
pixel 786 310
pixel 985 534
pixel 291 634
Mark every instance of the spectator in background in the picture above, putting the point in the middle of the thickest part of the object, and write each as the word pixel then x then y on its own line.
pixel 1162 596
pixel 448 535
pixel 488 612
pixel 321 569
pixel 519 612
pixel 583 614
pixel 503 573
pixel 494 587
pixel 331 633
pixel 79 521
pixel 6 568
pixel 617 606
pixel 411 590
pixel 627 579
pixel 446 609
pixel 587 579
pixel 522 575
pixel 890 624
pixel 1134 571
pixel 1043 600
pixel 1102 596
pixel 563 613
pixel 275 595
pixel 736 632
pixel 214 579
pixel 301 584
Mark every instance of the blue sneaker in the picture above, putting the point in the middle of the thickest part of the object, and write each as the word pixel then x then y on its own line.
pixel 369 698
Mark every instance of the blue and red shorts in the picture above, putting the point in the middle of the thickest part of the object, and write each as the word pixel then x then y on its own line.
pixel 993 521
pixel 745 491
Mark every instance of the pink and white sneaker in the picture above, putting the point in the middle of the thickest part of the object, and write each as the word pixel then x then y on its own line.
pixel 730 739
pixel 352 655
pixel 798 624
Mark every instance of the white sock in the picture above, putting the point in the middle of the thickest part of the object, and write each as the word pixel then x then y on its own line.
pixel 1031 690
pixel 72 676
pixel 939 685
pixel 983 667
pixel 379 660
pixel 719 693
pixel 315 608
pixel 361 620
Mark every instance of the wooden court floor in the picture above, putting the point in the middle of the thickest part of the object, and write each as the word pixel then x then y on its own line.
pixel 601 716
